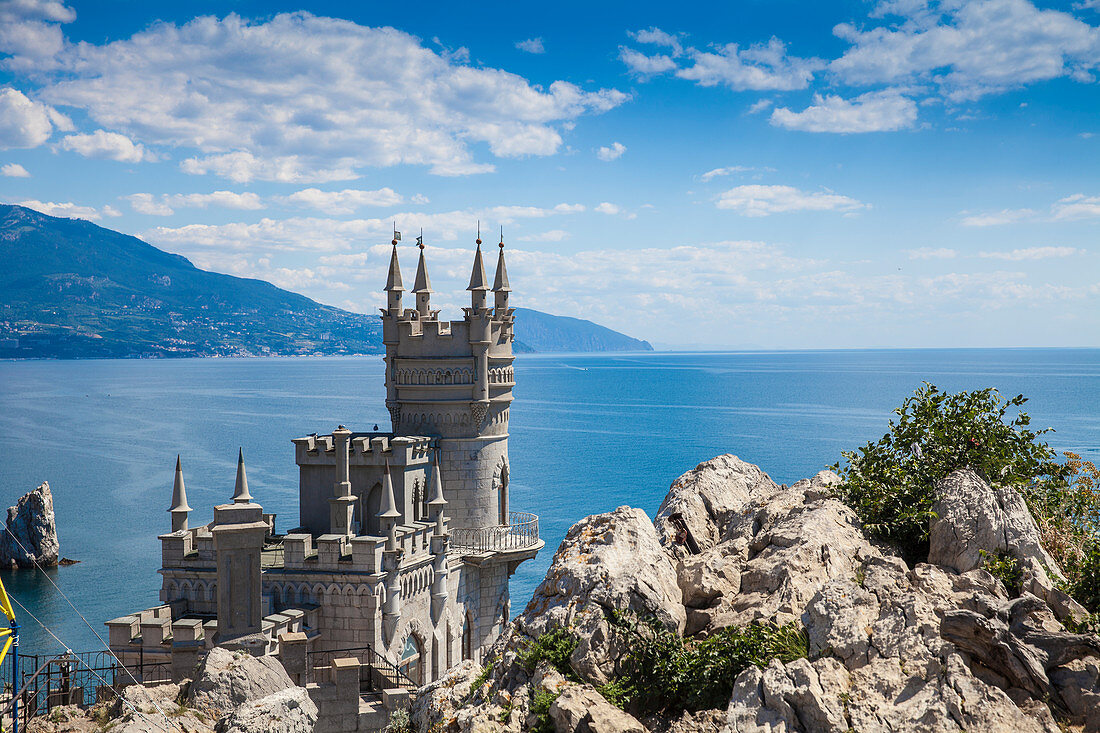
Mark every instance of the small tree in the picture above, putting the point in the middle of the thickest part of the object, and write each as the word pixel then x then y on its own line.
pixel 890 484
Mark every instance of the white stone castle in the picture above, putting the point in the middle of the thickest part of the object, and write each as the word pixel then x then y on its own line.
pixel 406 540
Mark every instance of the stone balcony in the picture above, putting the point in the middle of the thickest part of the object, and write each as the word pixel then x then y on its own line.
pixel 519 535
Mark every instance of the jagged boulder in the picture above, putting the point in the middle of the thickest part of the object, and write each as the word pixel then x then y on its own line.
pixel 580 709
pixel 226 680
pixel 437 704
pixel 286 711
pixel 30 536
pixel 703 501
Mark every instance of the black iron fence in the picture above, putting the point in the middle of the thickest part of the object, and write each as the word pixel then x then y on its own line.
pixel 82 679
pixel 381 674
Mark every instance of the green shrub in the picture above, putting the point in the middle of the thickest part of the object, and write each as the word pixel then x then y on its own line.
pixel 1005 567
pixel 399 722
pixel 1068 515
pixel 662 670
pixel 890 484
pixel 555 647
pixel 540 708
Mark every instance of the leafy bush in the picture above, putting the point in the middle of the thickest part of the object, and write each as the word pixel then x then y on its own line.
pixel 555 647
pixel 890 484
pixel 1006 568
pixel 399 722
pixel 662 670
pixel 1068 515
pixel 540 708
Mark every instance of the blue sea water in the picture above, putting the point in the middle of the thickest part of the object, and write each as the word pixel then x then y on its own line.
pixel 588 433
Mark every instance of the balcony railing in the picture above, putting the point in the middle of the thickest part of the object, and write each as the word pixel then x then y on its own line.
pixel 522 531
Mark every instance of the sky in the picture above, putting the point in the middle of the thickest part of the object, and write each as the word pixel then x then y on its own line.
pixel 742 175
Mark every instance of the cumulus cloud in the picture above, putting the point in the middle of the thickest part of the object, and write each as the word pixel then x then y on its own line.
pixel 300 98
pixel 760 200
pixel 25 123
pixel 1078 206
pixel 347 201
pixel 612 152
pixel 645 64
pixel 968 49
pixel 69 209
pixel 107 145
pixel 531 45
pixel 931 253
pixel 166 204
pixel 1032 253
pixel 872 112
pixel 30 32
pixel 14 170
pixel 1069 208
pixel 997 218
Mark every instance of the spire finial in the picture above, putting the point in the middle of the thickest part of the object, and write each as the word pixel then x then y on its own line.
pixel 394 240
pixel 502 236
pixel 478 232
pixel 240 491
pixel 420 240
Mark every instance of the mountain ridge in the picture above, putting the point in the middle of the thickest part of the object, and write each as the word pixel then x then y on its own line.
pixel 74 289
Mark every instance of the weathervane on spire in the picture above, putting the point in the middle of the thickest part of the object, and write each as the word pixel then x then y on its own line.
pixel 420 239
pixel 478 240
pixel 502 236
pixel 396 235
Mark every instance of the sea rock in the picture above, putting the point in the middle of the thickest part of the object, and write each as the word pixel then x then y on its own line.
pixel 286 711
pixel 30 537
pixel 437 704
pixel 580 709
pixel 973 517
pixel 704 500
pixel 226 680
pixel 606 561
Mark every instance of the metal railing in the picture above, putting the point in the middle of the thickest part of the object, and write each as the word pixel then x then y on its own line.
pixel 521 531
pixel 381 673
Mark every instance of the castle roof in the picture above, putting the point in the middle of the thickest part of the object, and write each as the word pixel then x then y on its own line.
pixel 477 275
pixel 436 498
pixel 500 285
pixel 388 510
pixel 393 282
pixel 179 493
pixel 240 491
pixel 422 284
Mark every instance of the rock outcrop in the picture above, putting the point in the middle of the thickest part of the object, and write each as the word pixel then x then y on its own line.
pixel 941 646
pixel 30 536
pixel 227 680
pixel 285 711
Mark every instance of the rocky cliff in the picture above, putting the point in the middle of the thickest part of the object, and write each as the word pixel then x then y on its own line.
pixel 940 646
pixel 30 537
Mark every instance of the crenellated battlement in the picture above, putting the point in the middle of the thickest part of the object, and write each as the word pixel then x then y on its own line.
pixel 366 449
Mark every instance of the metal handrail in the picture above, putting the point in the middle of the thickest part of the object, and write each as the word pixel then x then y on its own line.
pixel 522 531
pixel 389 671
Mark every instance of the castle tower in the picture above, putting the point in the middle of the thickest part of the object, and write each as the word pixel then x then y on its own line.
pixel 452 380
pixel 179 508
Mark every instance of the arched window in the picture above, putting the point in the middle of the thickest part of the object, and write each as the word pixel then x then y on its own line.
pixel 468 638
pixel 410 659
pixel 502 494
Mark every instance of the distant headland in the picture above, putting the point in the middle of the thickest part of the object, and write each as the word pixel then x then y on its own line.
pixel 74 290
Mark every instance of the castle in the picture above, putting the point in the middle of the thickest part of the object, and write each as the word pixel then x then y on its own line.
pixel 406 540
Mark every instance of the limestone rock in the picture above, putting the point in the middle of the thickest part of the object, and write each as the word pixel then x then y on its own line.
pixel 437 704
pixel 30 537
pixel 226 680
pixel 706 498
pixel 580 709
pixel 286 711
pixel 606 561
pixel 973 517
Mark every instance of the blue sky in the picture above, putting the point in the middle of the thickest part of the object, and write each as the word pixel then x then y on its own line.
pixel 737 175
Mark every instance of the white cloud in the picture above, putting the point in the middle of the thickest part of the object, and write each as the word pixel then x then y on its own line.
pixel 608 208
pixel 759 106
pixel 997 218
pixel 531 45
pixel 554 235
pixel 1087 5
pixel 1078 206
pixel 25 123
pixel 165 204
pixel 726 171
pixel 930 253
pixel 657 37
pixel 1032 253
pixel 969 49
pixel 68 209
pixel 29 32
pixel 347 201
pixel 871 112
pixel 759 200
pixel 759 67
pixel 613 152
pixel 645 65
pixel 107 145
pixel 14 170
pixel 300 98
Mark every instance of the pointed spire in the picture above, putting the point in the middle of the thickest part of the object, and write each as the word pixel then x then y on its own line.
pixel 500 285
pixel 393 282
pixel 436 497
pixel 179 506
pixel 422 284
pixel 477 275
pixel 388 510
pixel 240 491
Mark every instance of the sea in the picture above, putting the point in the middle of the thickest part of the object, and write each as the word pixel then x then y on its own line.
pixel 588 433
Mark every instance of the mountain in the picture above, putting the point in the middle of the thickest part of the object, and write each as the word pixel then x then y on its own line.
pixel 544 332
pixel 72 289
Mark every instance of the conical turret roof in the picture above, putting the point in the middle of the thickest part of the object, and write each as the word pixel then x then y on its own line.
pixel 240 491
pixel 179 493
pixel 388 510
pixel 393 281
pixel 422 284
pixel 477 275
pixel 436 497
pixel 501 283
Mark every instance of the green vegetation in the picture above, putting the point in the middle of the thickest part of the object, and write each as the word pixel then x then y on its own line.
pixel 554 647
pixel 483 676
pixel 890 484
pixel 1006 568
pixel 1068 515
pixel 399 722
pixel 663 671
pixel 540 708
